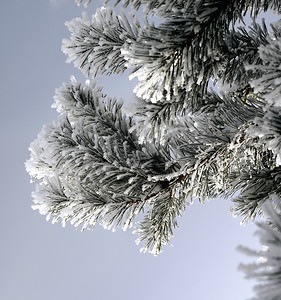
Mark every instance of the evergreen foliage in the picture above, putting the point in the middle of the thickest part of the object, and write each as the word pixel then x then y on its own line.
pixel 183 140
pixel 268 270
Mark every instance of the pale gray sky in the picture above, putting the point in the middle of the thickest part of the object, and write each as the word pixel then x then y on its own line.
pixel 41 261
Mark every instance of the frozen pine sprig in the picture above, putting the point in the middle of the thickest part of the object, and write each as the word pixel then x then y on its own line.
pixel 53 200
pixel 242 48
pixel 157 227
pixel 217 119
pixel 255 190
pixel 95 164
pixel 268 73
pixel 95 45
pixel 267 130
pixel 267 270
pixel 90 165
pixel 165 64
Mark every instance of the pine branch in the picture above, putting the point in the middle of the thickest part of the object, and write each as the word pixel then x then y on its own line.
pixel 268 271
pixel 165 64
pixel 97 165
pixel 267 73
pixel 242 48
pixel 156 229
pixel 267 131
pixel 95 45
pixel 91 166
pixel 217 119
pixel 52 198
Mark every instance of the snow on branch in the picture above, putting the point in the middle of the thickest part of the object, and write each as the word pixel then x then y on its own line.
pixel 156 229
pixel 90 166
pixel 95 45
pixel 242 48
pixel 268 72
pixel 95 164
pixel 267 271
pixel 165 64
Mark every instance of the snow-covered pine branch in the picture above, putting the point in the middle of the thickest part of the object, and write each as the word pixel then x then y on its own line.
pixel 91 166
pixel 242 47
pixel 267 74
pixel 95 45
pixel 267 271
pixel 95 164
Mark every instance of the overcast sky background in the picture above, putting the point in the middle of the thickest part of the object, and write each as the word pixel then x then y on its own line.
pixel 41 261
